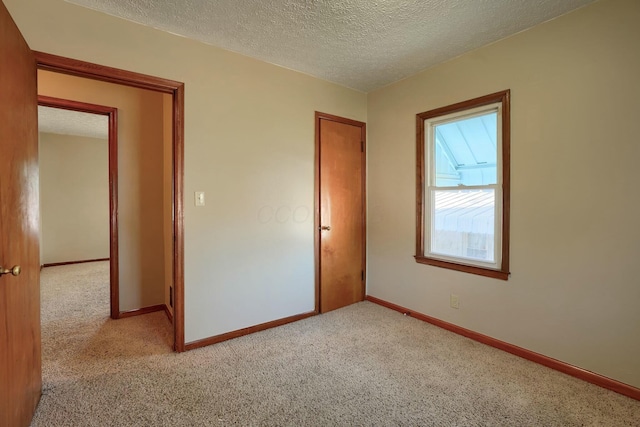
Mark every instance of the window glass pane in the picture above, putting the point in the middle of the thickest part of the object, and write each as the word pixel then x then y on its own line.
pixel 466 151
pixel 464 224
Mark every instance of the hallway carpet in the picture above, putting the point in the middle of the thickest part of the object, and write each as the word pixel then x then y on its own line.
pixel 363 365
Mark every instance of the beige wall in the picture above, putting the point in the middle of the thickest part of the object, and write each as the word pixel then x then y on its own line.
pixel 249 145
pixel 140 181
pixel 74 198
pixel 574 290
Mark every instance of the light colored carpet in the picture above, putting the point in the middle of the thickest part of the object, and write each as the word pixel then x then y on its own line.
pixel 362 365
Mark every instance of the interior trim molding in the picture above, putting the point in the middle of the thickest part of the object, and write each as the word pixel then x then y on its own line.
pixel 168 313
pixel 140 311
pixel 246 331
pixel 56 264
pixel 574 371
pixel 74 67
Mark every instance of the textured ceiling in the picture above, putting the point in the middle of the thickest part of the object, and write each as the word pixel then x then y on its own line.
pixel 66 122
pixel 362 44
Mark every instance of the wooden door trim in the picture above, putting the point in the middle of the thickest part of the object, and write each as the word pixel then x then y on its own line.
pixel 75 67
pixel 316 220
pixel 78 68
pixel 112 116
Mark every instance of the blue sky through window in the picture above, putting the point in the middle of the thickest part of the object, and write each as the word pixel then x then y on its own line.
pixel 466 151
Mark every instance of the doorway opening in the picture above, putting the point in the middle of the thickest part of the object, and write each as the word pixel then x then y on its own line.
pixel 175 90
pixel 92 130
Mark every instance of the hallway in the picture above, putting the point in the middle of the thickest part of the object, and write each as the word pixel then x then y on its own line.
pixel 77 333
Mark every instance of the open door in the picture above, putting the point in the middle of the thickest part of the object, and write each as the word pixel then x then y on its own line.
pixel 20 360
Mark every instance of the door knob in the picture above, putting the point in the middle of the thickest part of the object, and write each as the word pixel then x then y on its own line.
pixel 15 270
pixel 325 227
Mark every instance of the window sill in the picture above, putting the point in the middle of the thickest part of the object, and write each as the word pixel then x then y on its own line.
pixel 496 274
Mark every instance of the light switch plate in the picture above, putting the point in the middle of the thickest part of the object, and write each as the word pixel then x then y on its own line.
pixel 199 196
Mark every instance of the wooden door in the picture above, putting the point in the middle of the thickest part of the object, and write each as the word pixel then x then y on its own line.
pixel 340 154
pixel 20 369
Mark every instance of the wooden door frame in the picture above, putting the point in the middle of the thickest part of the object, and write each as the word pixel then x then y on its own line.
pixel 112 115
pixel 316 221
pixel 79 68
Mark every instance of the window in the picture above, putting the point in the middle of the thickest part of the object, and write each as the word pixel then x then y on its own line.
pixel 463 186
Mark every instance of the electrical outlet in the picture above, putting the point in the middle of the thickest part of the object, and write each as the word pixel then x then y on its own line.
pixel 455 301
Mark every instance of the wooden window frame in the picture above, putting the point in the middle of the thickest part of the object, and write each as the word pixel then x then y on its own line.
pixel 502 97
